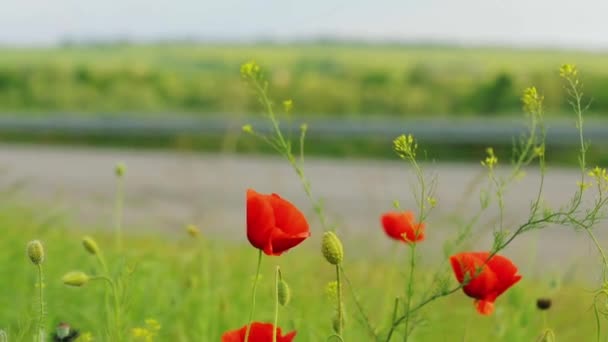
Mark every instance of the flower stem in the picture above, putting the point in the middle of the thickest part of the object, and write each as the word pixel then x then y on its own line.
pixel 41 333
pixel 118 212
pixel 340 307
pixel 253 293
pixel 276 305
pixel 410 289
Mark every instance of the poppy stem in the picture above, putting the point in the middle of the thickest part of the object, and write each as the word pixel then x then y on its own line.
pixel 253 293
pixel 340 308
pixel 410 290
pixel 276 305
pixel 40 332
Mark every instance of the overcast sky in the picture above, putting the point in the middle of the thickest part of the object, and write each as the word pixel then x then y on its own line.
pixel 574 24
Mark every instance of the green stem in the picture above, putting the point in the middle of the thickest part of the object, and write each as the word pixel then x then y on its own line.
pixel 41 296
pixel 599 249
pixel 253 293
pixel 276 305
pixel 116 297
pixel 102 262
pixel 364 316
pixel 340 307
pixel 410 290
pixel 117 317
pixel 118 212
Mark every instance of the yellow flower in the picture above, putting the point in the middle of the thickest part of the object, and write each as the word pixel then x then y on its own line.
pixel 85 337
pixel 491 159
pixel 250 70
pixel 152 325
pixel 405 146
pixel 247 128
pixel 568 71
pixel 148 333
pixel 193 230
pixel 532 101
pixel 288 105
pixel 140 333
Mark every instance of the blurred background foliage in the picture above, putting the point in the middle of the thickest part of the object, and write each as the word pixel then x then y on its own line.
pixel 325 80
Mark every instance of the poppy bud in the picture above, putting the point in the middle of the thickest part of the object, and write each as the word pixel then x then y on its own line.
pixel 543 303
pixel 90 245
pixel 75 278
pixel 284 292
pixel 332 248
pixel 193 230
pixel 35 252
pixel 120 169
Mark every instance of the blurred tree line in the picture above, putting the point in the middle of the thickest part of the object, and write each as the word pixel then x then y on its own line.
pixel 320 84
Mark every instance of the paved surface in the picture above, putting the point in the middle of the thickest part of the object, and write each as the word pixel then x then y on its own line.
pixel 165 190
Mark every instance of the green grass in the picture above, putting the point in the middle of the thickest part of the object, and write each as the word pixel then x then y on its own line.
pixel 323 79
pixel 198 289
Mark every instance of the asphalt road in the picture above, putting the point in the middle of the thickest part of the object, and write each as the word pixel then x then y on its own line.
pixel 166 190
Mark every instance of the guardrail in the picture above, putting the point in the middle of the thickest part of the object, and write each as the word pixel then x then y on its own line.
pixel 468 131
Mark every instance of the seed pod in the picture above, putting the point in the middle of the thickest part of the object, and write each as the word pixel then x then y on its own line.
pixel 332 249
pixel 193 230
pixel 284 292
pixel 90 245
pixel 543 303
pixel 35 251
pixel 338 322
pixel 75 278
pixel 120 169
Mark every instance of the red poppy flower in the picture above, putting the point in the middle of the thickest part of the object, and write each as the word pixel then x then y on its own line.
pixel 401 226
pixel 273 224
pixel 496 276
pixel 259 332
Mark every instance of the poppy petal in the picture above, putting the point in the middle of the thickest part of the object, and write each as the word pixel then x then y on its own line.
pixel 260 219
pixel 484 307
pixel 259 332
pixel 280 242
pixel 287 217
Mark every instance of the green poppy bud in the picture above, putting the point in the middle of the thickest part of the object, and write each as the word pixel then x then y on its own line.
pixel 90 245
pixel 75 278
pixel 332 248
pixel 35 251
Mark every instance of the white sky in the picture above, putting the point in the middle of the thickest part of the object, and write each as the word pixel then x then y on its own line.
pixel 565 23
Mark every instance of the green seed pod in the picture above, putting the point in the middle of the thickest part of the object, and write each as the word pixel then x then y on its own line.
pixel 35 252
pixel 75 278
pixel 337 323
pixel 332 248
pixel 120 169
pixel 90 245
pixel 284 292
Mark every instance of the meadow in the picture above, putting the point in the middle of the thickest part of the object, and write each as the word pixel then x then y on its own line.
pixel 198 288
pixel 115 285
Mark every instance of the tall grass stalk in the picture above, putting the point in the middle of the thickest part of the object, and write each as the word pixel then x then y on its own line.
pixel 253 295
pixel 276 305
pixel 118 206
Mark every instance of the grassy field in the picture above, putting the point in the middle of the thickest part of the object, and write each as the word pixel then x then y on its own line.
pixel 198 288
pixel 323 79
